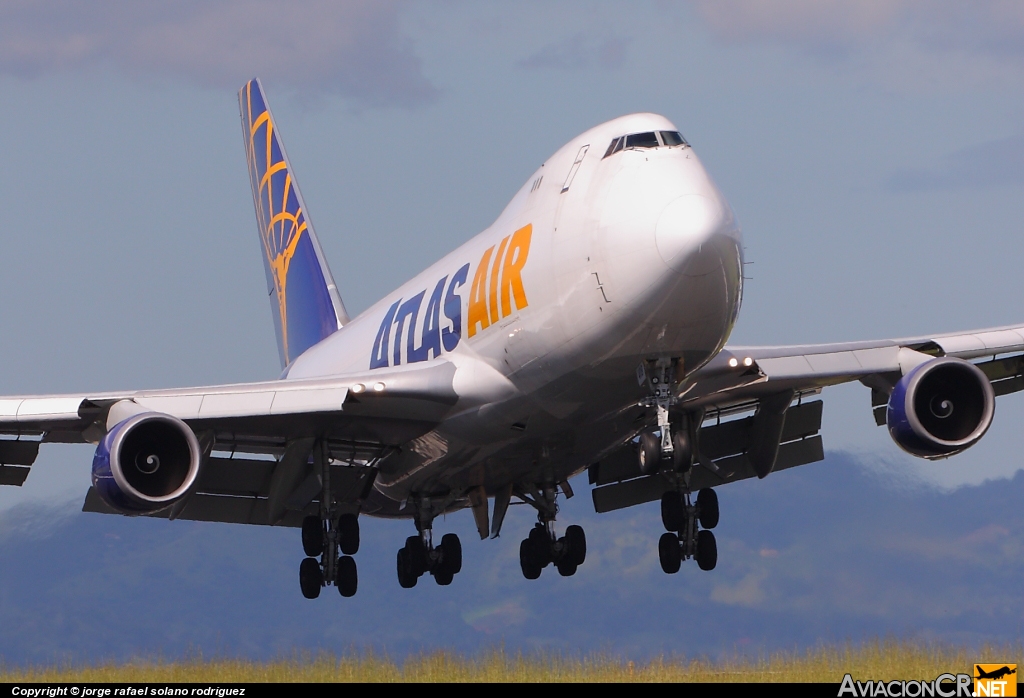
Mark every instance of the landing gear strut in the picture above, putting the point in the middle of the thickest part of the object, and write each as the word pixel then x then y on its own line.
pixel 543 546
pixel 332 536
pixel 689 527
pixel 419 555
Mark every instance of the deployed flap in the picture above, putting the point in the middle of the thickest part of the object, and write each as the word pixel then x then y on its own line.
pixel 305 300
pixel 619 483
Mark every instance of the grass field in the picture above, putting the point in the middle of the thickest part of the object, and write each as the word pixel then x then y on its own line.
pixel 876 660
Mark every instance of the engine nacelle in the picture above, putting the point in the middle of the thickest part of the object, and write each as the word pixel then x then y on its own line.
pixel 942 407
pixel 146 463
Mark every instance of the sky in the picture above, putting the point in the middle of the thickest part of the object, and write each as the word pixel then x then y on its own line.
pixel 873 153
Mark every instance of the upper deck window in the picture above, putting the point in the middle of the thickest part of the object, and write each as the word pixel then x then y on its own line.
pixel 648 139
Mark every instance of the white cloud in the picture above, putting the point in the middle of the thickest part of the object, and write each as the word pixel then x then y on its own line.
pixel 918 44
pixel 578 53
pixel 354 48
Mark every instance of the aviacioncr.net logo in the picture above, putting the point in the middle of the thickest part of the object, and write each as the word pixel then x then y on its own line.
pixel 943 686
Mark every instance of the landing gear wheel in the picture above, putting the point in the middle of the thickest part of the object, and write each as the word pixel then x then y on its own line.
pixel 650 453
pixel 707 550
pixel 528 559
pixel 443 576
pixel 451 554
pixel 577 542
pixel 418 563
pixel 682 454
pixel 312 536
pixel 566 568
pixel 348 534
pixel 540 546
pixel 673 513
pixel 406 579
pixel 310 577
pixel 707 504
pixel 669 553
pixel 348 577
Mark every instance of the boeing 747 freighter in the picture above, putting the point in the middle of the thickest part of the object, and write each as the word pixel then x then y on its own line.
pixel 586 330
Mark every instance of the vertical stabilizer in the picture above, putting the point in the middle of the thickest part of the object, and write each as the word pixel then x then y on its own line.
pixel 305 300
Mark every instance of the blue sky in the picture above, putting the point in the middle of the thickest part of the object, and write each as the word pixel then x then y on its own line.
pixel 873 153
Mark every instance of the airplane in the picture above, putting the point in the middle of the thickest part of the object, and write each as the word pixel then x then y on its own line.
pixel 585 330
pixel 995 674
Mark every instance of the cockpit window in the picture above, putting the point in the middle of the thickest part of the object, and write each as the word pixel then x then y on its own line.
pixel 649 139
pixel 614 147
pixel 672 138
pixel 642 140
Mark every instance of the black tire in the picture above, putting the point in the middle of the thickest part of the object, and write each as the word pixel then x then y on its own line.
pixel 443 576
pixel 312 536
pixel 649 455
pixel 348 534
pixel 673 513
pixel 311 578
pixel 669 553
pixel 707 505
pixel 348 576
pixel 406 579
pixel 418 563
pixel 540 546
pixel 451 553
pixel 577 541
pixel 682 451
pixel 528 560
pixel 707 550
pixel 566 568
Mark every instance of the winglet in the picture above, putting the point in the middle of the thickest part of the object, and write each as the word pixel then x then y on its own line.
pixel 305 300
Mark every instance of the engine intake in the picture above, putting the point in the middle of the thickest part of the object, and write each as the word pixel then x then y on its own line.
pixel 942 407
pixel 146 463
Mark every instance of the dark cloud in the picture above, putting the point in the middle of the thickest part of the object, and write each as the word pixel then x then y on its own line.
pixel 995 163
pixel 578 53
pixel 353 48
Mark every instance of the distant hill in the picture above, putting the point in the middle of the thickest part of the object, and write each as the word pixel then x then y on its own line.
pixel 827 552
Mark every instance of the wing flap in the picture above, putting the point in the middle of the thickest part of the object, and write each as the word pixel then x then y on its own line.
pixel 235 490
pixel 13 475
pixel 650 488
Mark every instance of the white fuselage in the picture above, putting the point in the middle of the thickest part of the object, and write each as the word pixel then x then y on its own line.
pixel 596 265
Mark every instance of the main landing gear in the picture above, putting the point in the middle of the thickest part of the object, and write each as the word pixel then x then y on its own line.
pixel 419 555
pixel 325 539
pixel 332 536
pixel 685 539
pixel 543 547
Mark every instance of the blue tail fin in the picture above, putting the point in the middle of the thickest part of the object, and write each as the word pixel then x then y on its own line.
pixel 306 304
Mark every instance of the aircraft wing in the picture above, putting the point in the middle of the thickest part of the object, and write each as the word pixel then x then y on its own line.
pixel 780 380
pixel 362 415
pixel 759 371
pixel 386 405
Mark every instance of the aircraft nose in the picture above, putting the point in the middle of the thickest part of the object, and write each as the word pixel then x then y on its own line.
pixel 686 224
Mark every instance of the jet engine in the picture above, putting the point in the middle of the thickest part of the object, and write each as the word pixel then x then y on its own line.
pixel 942 407
pixel 146 463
